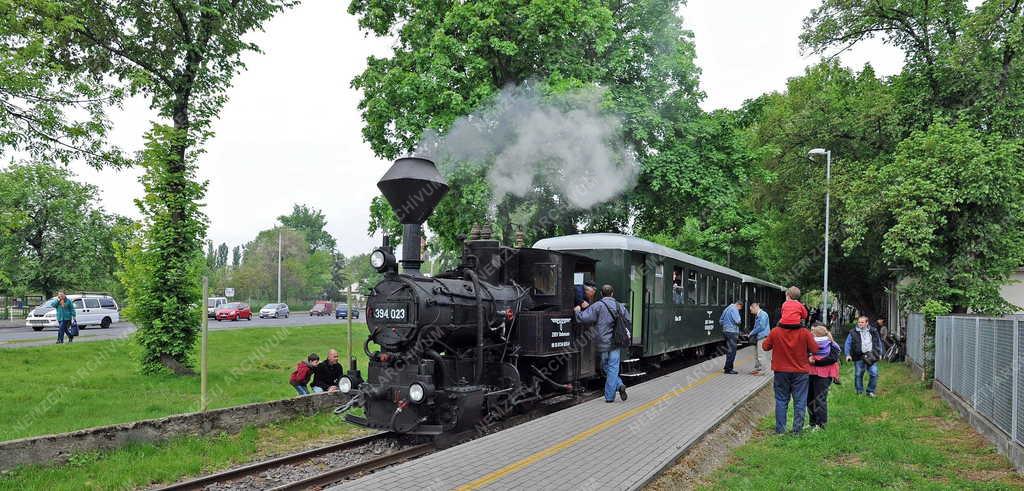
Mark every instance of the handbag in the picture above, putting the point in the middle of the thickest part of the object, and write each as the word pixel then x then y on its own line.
pixel 869 358
pixel 73 328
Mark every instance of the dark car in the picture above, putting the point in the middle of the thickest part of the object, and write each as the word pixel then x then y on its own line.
pixel 342 312
pixel 233 311
pixel 319 309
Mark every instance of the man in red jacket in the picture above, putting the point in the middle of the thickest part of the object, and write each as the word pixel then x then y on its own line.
pixel 790 347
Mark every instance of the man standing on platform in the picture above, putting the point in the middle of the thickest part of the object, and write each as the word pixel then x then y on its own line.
pixel 730 321
pixel 758 334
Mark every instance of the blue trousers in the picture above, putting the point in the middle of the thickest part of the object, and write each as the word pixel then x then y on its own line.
pixel 610 364
pixel 790 385
pixel 859 367
pixel 62 328
pixel 730 349
pixel 301 389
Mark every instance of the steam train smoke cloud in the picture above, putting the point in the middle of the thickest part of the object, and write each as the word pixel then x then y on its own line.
pixel 525 140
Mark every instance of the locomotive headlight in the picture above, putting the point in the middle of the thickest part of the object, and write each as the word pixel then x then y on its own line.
pixel 345 385
pixel 377 259
pixel 417 393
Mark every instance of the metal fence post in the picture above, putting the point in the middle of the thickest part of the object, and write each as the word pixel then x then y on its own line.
pixel 1016 360
pixel 977 330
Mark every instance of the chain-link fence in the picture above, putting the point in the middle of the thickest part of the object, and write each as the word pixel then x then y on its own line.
pixel 915 339
pixel 980 359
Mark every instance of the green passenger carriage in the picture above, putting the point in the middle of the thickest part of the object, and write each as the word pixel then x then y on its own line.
pixel 675 299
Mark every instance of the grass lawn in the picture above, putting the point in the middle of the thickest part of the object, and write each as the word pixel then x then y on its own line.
pixel 905 438
pixel 58 388
pixel 137 466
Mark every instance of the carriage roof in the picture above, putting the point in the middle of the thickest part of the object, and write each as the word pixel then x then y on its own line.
pixel 626 243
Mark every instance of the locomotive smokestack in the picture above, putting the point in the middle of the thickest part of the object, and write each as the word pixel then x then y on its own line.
pixel 413 187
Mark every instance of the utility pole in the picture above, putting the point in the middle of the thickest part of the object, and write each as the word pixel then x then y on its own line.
pixel 203 401
pixel 278 265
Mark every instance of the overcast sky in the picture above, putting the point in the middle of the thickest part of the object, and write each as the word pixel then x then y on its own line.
pixel 291 130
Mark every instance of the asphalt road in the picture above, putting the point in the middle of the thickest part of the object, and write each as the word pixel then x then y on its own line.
pixel 20 337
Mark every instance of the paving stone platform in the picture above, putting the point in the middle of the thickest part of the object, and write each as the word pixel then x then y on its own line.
pixel 594 445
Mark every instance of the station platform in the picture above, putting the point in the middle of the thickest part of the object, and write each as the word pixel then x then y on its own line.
pixel 593 445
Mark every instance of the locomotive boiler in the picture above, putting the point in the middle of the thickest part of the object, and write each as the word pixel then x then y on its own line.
pixel 469 345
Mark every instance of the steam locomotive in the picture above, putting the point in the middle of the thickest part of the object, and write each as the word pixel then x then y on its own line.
pixel 496 334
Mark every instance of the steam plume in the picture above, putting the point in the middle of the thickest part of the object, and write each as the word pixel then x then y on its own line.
pixel 525 140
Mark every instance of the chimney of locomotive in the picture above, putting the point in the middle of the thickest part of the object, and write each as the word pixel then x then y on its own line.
pixel 413 187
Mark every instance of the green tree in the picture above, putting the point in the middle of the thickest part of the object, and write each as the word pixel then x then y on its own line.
pixel 236 256
pixel 55 235
pixel 452 58
pixel 311 222
pixel 359 271
pixel 50 110
pixel 953 215
pixel 222 256
pixel 181 55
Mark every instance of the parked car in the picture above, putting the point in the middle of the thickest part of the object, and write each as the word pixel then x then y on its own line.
pixel 214 303
pixel 234 311
pixel 275 310
pixel 342 312
pixel 90 310
pixel 322 307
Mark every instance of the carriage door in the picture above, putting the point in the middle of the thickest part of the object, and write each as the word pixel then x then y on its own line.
pixel 636 299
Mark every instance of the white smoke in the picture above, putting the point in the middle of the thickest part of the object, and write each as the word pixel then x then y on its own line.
pixel 526 140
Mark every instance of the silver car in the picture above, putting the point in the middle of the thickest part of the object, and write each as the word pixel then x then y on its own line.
pixel 275 310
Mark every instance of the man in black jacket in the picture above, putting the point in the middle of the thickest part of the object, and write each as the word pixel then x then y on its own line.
pixel 864 347
pixel 326 375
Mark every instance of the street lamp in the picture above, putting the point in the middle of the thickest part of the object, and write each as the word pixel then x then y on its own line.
pixel 813 154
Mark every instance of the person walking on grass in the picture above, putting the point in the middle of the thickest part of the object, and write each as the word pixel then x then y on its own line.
pixel 758 334
pixel 603 314
pixel 730 322
pixel 790 346
pixel 65 316
pixel 863 347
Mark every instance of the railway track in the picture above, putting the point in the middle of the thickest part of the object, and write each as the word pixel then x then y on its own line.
pixel 299 470
pixel 241 477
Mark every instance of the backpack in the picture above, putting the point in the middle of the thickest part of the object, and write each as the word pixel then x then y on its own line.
pixel 301 374
pixel 622 329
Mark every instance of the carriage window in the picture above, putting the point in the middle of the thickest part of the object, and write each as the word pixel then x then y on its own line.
pixel 544 279
pixel 737 291
pixel 691 287
pixel 677 285
pixel 659 283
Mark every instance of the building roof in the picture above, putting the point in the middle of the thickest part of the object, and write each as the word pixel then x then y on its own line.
pixel 626 243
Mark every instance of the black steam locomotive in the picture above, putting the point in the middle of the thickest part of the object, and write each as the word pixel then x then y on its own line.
pixel 497 333
pixel 479 341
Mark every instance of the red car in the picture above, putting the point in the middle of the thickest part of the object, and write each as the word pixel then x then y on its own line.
pixel 233 311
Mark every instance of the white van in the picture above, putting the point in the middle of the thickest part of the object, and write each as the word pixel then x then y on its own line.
pixel 214 303
pixel 90 310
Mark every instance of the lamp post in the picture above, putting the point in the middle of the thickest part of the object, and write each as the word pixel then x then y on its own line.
pixel 828 177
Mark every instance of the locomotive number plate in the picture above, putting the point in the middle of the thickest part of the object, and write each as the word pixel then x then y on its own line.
pixel 391 312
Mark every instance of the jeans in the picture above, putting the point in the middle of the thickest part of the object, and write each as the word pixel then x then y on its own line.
pixel 790 385
pixel 858 376
pixel 317 390
pixel 730 349
pixel 612 382
pixel 301 389
pixel 817 399
pixel 62 328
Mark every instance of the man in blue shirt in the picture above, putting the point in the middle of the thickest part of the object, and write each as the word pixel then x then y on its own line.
pixel 730 322
pixel 761 329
